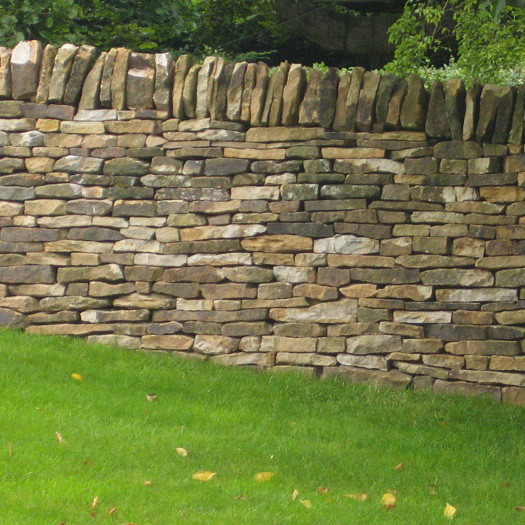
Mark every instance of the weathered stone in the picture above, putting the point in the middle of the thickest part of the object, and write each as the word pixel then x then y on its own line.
pixel 140 81
pixel 518 120
pixel 249 85
pixel 105 81
pixel 373 344
pixel 75 164
pixel 437 124
pixel 61 71
pixel 365 106
pixel 455 106
pixel 503 119
pixel 471 111
pixel 385 276
pixel 483 348
pixel 278 243
pixel 512 278
pixel 27 274
pixel 215 344
pixel 163 82
pixel 293 95
pixel 347 244
pixel 89 98
pixel 393 119
pixel 386 87
pixel 110 272
pixel 340 105
pixel 376 378
pixel 244 359
pixel 330 313
pixel 25 67
pixel 288 344
pixel 223 167
pixel 352 100
pixel 125 166
pixel 181 69
pixel 235 91
pixel 414 108
pixel 276 104
pixel 368 166
pixel 189 92
pixel 309 108
pixel 481 376
pixel 119 77
pixel 328 97
pixel 457 277
pixel 5 72
pixel 479 295
pixel 84 59
pixel 363 361
pixel 488 107
pixel 203 82
pixel 167 342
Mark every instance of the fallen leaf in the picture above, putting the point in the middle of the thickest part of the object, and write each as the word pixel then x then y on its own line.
pixel 77 377
pixel 449 511
pixel 322 490
pixel 87 462
pixel 151 397
pixel 519 509
pixel 60 439
pixel 94 503
pixel 264 476
pixel 357 497
pixel 295 493
pixel 399 466
pixel 112 511
pixel 388 501
pixel 306 503
pixel 93 513
pixel 10 449
pixel 203 475
pixel 181 452
pixel 506 484
pixel 432 490
pixel 148 483
pixel 240 497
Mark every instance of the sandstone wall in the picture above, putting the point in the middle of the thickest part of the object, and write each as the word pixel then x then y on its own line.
pixel 350 225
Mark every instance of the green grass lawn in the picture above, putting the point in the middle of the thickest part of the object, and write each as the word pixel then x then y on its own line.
pixel 237 423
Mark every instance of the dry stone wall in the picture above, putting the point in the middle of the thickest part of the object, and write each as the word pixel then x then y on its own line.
pixel 351 225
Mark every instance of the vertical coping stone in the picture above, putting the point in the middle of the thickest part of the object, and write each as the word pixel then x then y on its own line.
pixel 25 67
pixel 118 79
pixel 107 75
pixel 455 106
pixel 265 118
pixel 488 107
pixel 386 87
pixel 84 59
pixel 516 131
pixel 293 94
pixel 340 105
pixel 358 76
pixel 46 70
pixel 309 109
pixel 393 118
pixel 328 97
pixel 91 88
pixel 163 81
pixel 235 88
pixel 504 115
pixel 201 108
pixel 61 70
pixel 189 93
pixel 414 108
pixel 5 72
pixel 259 94
pixel 365 106
pixel 219 89
pixel 471 111
pixel 276 108
pixel 437 125
pixel 182 67
pixel 249 84
pixel 140 81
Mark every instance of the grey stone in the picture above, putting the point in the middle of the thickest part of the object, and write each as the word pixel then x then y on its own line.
pixel 249 85
pixel 203 81
pixel 5 72
pixel 293 94
pixel 105 81
pixel 119 77
pixel 76 164
pixel 387 85
pixel 125 166
pixel 163 81
pixel 503 119
pixel 352 100
pixel 414 108
pixel 84 59
pixel 189 92
pixel 328 98
pixel 373 344
pixel 140 81
pixel 61 71
pixel 218 93
pixel 518 118
pixel 276 107
pixel 455 106
pixel 90 96
pixel 25 67
pixel 471 111
pixel 340 106
pixel 225 166
pixel 365 107
pixel 27 274
pixel 393 118
pixel 182 67
pixel 309 108
pixel 437 124
pixel 488 108
pixel 235 88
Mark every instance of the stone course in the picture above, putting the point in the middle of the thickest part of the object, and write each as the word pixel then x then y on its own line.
pixel 352 226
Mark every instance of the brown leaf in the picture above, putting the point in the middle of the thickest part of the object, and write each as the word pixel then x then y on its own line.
pixel 261 477
pixel 399 466
pixel 181 452
pixel 322 490
pixel 203 475
pixel 519 509
pixel 94 503
pixel 357 497
pixel 388 501
pixel 295 493
pixel 306 503
pixel 240 497
pixel 112 511
pixel 432 490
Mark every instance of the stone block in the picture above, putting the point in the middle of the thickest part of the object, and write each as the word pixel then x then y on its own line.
pixel 373 344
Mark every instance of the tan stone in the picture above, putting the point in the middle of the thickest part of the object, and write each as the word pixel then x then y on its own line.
pixel 356 291
pixel 272 343
pixel 167 342
pixel 352 153
pixel 329 313
pixel 507 363
pixel 413 292
pixel 278 243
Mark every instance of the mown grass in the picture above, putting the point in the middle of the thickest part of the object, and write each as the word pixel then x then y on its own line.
pixel 239 422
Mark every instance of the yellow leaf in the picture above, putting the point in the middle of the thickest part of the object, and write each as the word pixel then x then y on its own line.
pixel 112 511
pixel 60 439
pixel 94 503
pixel 203 475
pixel 264 476
pixel 148 483
pixel 181 452
pixel 322 490
pixel 519 509
pixel 151 397
pixel 77 377
pixel 449 511
pixel 388 501
pixel 295 493
pixel 357 497
pixel 400 466
pixel 306 503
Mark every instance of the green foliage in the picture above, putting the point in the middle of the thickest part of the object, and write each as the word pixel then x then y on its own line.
pixel 472 39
